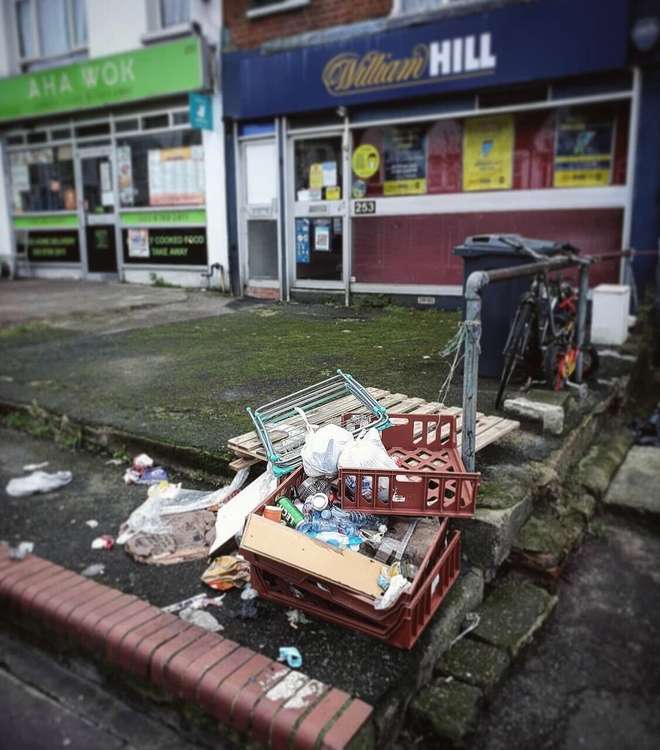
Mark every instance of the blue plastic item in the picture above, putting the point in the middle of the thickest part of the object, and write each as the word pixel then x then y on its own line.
pixel 291 656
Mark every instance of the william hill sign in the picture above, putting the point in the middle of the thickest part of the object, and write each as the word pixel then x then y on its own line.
pixel 514 43
pixel 349 73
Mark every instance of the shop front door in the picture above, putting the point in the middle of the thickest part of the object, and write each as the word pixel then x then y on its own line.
pixel 98 208
pixel 259 225
pixel 319 211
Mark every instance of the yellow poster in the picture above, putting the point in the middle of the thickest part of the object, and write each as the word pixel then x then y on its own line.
pixel 488 153
pixel 365 161
pixel 583 152
pixel 333 193
pixel 316 176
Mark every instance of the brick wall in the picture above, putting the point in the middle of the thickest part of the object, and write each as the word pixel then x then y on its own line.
pixel 247 32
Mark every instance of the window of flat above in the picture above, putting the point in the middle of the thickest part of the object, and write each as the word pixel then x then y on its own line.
pixel 257 8
pixel 173 13
pixel 405 7
pixel 49 29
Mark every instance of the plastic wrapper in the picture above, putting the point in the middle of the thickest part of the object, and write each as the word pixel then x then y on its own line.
pixel 320 454
pixel 367 452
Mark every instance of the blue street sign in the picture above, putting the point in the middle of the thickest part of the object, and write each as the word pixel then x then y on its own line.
pixel 201 111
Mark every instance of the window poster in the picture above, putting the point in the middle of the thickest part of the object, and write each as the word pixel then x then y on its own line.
pixel 138 243
pixel 176 176
pixel 488 153
pixel 316 176
pixel 329 170
pixel 404 161
pixel 583 152
pixel 365 161
pixel 125 176
pixel 322 235
pixel 302 241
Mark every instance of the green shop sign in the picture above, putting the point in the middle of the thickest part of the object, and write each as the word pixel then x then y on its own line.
pixel 52 221
pixel 177 218
pixel 159 70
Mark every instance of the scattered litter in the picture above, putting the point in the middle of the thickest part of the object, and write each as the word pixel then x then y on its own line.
pixel 105 541
pixel 647 431
pixel 231 517
pixel 92 523
pixel 21 550
pixel 38 481
pixel 97 569
pixel 145 476
pixel 291 656
pixel 248 593
pixel 296 618
pixel 398 585
pixel 35 467
pixel 226 572
pixel 114 462
pixel 472 620
pixel 200 618
pixel 248 610
pixel 199 601
pixel 142 461
pixel 183 501
pixel 186 536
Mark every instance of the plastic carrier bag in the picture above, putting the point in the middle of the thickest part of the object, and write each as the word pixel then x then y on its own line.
pixel 322 448
pixel 366 452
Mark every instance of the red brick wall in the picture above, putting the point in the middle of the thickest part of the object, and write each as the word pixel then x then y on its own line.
pixel 247 32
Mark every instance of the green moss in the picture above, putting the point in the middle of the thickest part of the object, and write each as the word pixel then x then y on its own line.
pixel 188 384
pixel 447 709
pixel 501 494
pixel 476 663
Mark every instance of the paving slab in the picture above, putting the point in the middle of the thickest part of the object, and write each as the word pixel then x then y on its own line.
pixel 511 614
pixel 590 678
pixel 636 485
pixel 476 663
pixel 447 710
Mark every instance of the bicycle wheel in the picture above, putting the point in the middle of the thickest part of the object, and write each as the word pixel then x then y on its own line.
pixel 590 362
pixel 515 348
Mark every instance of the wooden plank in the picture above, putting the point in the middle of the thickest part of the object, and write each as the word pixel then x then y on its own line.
pixel 242 463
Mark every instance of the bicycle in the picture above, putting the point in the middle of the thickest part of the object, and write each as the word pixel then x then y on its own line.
pixel 543 335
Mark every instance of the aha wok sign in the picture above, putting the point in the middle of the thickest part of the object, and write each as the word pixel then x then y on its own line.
pixel 160 70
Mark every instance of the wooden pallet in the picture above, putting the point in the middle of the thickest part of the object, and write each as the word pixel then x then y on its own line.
pixel 249 450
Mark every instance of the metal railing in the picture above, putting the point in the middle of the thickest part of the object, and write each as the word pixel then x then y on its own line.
pixel 475 284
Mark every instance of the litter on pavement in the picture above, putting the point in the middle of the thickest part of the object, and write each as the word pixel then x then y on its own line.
pixel 96 569
pixel 201 618
pixel 182 537
pixel 291 656
pixel 199 601
pixel 296 618
pixel 92 523
pixel 105 541
pixel 34 467
pixel 143 471
pixel 21 550
pixel 227 572
pixel 38 481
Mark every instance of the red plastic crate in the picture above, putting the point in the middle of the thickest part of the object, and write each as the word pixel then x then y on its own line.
pixel 401 625
pixel 432 480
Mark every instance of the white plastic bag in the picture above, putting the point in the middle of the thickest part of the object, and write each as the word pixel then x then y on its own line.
pixel 145 519
pixel 38 481
pixel 398 585
pixel 322 449
pixel 231 516
pixel 367 452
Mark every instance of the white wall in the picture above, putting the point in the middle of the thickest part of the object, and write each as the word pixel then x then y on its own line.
pixel 6 233
pixel 216 203
pixel 115 25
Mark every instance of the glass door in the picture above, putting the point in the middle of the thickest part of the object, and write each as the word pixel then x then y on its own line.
pixel 259 235
pixel 98 208
pixel 319 209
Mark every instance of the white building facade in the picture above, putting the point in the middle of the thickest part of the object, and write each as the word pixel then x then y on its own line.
pixel 111 140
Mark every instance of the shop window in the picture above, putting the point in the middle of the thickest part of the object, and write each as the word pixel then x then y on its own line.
pixel 50 28
pixel 580 147
pixel 161 169
pixel 154 122
pixel 38 137
pixel 87 131
pixel 319 246
pixel 181 118
pixel 173 12
pixel 126 126
pixel 318 169
pixel 61 134
pixel 42 180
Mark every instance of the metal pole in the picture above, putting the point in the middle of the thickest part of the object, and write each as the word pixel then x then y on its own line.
pixel 581 317
pixel 475 283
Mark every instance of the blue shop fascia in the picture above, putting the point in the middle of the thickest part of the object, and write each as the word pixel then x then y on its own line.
pixel 359 158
